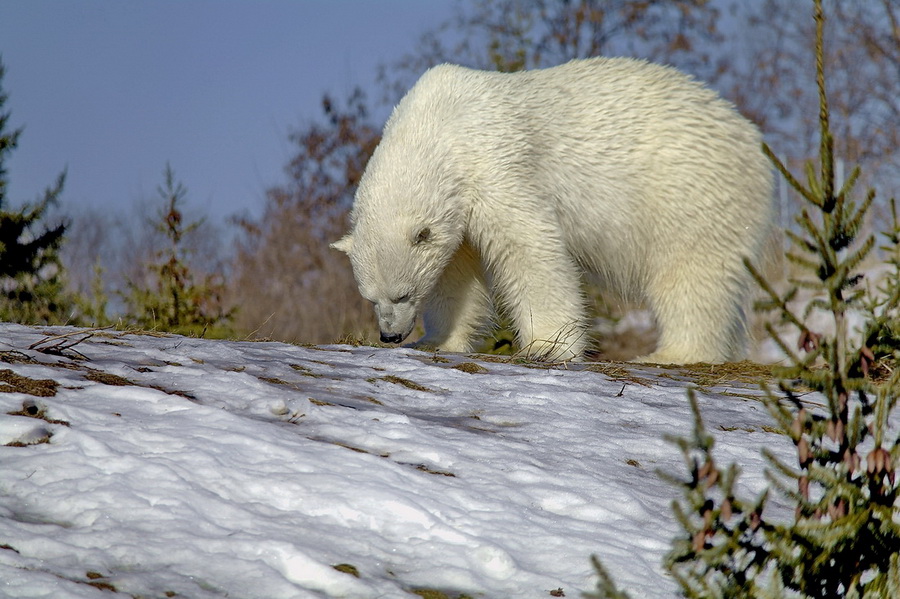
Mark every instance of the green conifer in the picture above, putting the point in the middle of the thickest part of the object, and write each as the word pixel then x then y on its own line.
pixel 32 288
pixel 175 301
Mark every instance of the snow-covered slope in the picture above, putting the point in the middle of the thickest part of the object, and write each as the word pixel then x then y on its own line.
pixel 161 466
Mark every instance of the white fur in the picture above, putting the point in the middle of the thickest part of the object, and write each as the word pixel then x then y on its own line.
pixel 507 186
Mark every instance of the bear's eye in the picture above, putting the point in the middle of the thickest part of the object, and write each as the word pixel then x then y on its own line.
pixel 400 300
pixel 422 236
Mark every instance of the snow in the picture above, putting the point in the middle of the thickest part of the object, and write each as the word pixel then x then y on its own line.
pixel 165 466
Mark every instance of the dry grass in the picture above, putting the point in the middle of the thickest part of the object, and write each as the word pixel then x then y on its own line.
pixel 711 375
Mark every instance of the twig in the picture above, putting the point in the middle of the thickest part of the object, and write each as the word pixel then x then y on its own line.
pixel 65 342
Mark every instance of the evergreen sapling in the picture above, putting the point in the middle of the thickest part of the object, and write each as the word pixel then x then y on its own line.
pixel 174 301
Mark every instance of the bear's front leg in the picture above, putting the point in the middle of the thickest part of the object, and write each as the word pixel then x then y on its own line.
pixel 458 309
pixel 540 285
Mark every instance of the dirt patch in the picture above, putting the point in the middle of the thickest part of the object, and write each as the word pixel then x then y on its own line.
pixel 105 378
pixel 402 382
pixel 10 382
pixel 470 367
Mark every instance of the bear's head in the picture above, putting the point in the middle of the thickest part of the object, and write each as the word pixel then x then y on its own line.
pixel 397 263
pixel 407 219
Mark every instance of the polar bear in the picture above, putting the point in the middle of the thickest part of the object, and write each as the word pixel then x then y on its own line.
pixel 506 187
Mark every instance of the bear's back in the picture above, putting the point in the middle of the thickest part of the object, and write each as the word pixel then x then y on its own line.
pixel 585 87
pixel 590 108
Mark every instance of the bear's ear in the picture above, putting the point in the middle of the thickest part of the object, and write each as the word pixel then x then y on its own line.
pixel 344 244
pixel 422 236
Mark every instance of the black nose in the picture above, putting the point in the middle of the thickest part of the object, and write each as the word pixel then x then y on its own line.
pixel 391 337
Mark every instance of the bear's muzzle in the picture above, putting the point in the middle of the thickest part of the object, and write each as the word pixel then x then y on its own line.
pixel 391 337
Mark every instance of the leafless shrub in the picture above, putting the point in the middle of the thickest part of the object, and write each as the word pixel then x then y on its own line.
pixel 288 283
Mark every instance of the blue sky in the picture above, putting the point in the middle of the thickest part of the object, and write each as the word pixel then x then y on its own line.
pixel 112 90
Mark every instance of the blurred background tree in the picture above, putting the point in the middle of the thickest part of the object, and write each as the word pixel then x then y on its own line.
pixel 289 284
pixel 770 76
pixel 32 279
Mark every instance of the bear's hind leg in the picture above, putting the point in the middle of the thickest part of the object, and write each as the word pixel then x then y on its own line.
pixel 700 317
pixel 459 308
